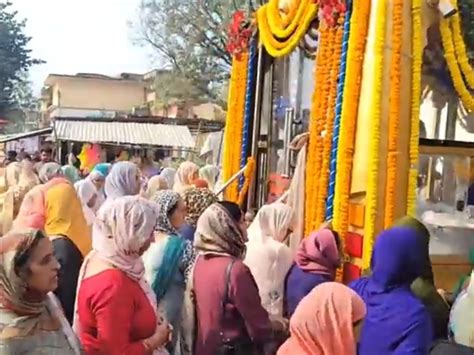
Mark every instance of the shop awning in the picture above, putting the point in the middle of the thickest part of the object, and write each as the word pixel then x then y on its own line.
pixel 120 132
pixel 18 136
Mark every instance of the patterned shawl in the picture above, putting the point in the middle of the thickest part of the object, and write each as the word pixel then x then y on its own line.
pixel 196 201
pixel 166 201
pixel 218 233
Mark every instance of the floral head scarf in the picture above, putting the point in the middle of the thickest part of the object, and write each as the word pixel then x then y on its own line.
pixel 218 233
pixel 166 201
pixel 121 230
pixel 196 201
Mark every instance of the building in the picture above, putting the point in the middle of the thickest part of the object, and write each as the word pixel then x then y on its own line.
pixel 90 95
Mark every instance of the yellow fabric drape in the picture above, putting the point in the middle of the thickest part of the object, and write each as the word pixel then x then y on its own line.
pixel 64 216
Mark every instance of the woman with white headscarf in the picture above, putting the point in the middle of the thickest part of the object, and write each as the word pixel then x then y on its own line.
pixel 116 309
pixel 210 174
pixel 267 257
pixel 186 174
pixel 87 193
pixel 123 180
pixel 169 175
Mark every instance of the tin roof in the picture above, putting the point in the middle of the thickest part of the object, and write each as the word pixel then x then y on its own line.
pixel 120 132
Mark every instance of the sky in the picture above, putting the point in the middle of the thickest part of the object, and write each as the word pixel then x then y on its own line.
pixel 77 36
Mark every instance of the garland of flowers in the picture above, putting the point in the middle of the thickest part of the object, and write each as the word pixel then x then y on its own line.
pixel 282 20
pixel 277 26
pixel 375 115
pixel 460 47
pixel 274 46
pixel 313 163
pixel 329 124
pixel 248 107
pixel 350 104
pixel 453 65
pixel 337 119
pixel 417 62
pixel 248 174
pixel 234 122
pixel 394 111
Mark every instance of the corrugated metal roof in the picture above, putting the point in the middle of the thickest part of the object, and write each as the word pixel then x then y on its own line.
pixel 18 136
pixel 120 132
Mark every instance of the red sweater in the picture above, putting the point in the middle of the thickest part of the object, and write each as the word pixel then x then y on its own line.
pixel 114 314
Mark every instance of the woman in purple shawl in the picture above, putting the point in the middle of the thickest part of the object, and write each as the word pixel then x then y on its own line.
pixel 397 323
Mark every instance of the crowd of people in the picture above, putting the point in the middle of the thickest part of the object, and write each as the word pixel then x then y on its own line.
pixel 118 263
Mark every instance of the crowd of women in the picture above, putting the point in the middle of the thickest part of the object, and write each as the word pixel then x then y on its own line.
pixel 111 264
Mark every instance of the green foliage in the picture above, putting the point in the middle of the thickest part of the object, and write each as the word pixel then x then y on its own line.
pixel 190 38
pixel 15 57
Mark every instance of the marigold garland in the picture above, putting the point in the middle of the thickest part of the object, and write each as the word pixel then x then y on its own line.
pixel 248 174
pixel 394 112
pixel 375 115
pixel 317 124
pixel 234 124
pixel 453 65
pixel 417 61
pixel 329 124
pixel 282 20
pixel 274 46
pixel 283 32
pixel 350 104
pixel 460 47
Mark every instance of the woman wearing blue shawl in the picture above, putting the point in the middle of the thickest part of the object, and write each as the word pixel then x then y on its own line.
pixel 169 259
pixel 397 323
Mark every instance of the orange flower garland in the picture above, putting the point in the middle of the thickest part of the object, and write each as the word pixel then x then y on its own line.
pixel 394 113
pixel 350 104
pixel 233 127
pixel 329 123
pixel 317 123
pixel 417 55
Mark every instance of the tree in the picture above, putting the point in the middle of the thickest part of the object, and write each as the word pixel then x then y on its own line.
pixel 190 37
pixel 15 57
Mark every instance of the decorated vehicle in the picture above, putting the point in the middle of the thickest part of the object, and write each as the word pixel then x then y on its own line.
pixel 363 78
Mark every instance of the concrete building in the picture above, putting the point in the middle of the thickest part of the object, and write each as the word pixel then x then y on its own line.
pixel 89 95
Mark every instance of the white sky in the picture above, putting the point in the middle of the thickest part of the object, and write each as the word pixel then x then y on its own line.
pixel 75 36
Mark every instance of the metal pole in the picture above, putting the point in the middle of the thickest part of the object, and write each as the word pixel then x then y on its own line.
pixel 256 124
pixel 231 180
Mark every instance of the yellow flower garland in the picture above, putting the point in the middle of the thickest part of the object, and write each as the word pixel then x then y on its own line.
pixel 273 45
pixel 248 174
pixel 347 130
pixel 234 123
pixel 329 124
pixel 288 30
pixel 375 115
pixel 453 65
pixel 460 47
pixel 394 113
pixel 280 20
pixel 417 55
pixel 313 161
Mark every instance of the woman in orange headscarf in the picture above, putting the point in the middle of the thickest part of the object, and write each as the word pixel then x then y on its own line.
pixel 325 322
